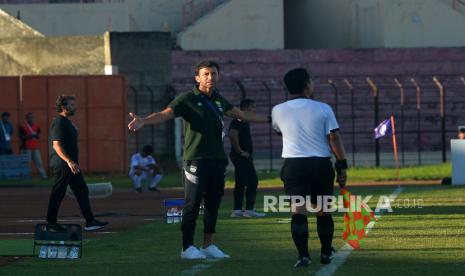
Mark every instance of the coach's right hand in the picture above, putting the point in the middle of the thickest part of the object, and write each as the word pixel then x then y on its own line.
pixel 136 122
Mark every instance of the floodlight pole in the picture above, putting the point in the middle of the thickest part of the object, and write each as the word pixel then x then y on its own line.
pixel 330 81
pixel 443 117
pixel 374 89
pixel 352 111
pixel 418 92
pixel 401 88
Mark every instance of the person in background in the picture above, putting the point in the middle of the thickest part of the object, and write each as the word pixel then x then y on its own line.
pixel 6 132
pixel 461 134
pixel 64 165
pixel 244 170
pixel 29 133
pixel 145 168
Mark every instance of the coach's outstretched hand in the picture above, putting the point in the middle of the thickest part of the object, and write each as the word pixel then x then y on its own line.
pixel 136 122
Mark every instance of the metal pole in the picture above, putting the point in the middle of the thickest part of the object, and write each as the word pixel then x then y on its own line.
pixel 335 96
pixel 270 141
pixel 152 108
pixel 374 89
pixel 242 88
pixel 418 92
pixel 136 107
pixel 443 117
pixel 401 88
pixel 352 113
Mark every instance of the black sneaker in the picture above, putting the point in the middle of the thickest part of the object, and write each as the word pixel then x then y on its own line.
pixel 55 227
pixel 326 259
pixel 154 189
pixel 303 262
pixel 139 190
pixel 95 225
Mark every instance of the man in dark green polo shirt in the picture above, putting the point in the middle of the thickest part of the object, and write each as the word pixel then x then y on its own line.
pixel 205 161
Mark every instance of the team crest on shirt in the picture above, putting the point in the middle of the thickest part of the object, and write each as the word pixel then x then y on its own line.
pixel 199 104
pixel 193 169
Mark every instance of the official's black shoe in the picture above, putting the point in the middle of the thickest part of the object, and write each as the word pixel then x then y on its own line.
pixel 55 227
pixel 326 259
pixel 303 262
pixel 139 190
pixel 95 225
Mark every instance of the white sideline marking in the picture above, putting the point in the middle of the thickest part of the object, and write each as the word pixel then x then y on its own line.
pixel 14 234
pixel 30 233
pixel 42 220
pixel 199 267
pixel 343 253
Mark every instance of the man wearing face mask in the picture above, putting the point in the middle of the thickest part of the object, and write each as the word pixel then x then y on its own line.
pixel 64 163
pixel 202 110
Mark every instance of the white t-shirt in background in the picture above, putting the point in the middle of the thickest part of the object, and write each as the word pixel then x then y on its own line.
pixel 304 125
pixel 138 160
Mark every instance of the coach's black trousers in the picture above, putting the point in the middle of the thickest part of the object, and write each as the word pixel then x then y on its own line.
pixel 246 180
pixel 203 178
pixel 62 177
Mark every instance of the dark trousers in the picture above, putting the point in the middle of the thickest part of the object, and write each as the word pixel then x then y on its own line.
pixel 62 177
pixel 246 180
pixel 203 179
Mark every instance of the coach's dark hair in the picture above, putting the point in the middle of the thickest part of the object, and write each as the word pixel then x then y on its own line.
pixel 206 63
pixel 63 100
pixel 147 149
pixel 245 103
pixel 296 80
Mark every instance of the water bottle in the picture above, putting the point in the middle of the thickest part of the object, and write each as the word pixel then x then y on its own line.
pixel 73 252
pixel 43 249
pixel 52 252
pixel 62 252
pixel 169 216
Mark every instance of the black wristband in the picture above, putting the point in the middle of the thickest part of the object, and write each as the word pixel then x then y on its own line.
pixel 340 165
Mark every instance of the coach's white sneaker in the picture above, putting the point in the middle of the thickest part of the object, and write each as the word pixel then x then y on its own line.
pixel 214 252
pixel 253 214
pixel 237 213
pixel 192 253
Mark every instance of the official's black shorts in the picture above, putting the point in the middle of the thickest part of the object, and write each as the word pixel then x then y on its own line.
pixel 309 176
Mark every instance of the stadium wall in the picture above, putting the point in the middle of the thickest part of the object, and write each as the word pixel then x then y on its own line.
pixel 238 24
pixel 100 116
pixel 374 23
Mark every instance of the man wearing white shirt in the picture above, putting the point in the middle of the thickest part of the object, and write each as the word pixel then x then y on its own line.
pixel 6 131
pixel 310 135
pixel 144 168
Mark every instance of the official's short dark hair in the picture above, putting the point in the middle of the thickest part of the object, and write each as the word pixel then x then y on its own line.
pixel 63 100
pixel 462 129
pixel 245 103
pixel 6 114
pixel 147 149
pixel 296 80
pixel 206 63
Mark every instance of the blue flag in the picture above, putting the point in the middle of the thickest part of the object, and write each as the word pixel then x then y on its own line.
pixel 383 129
